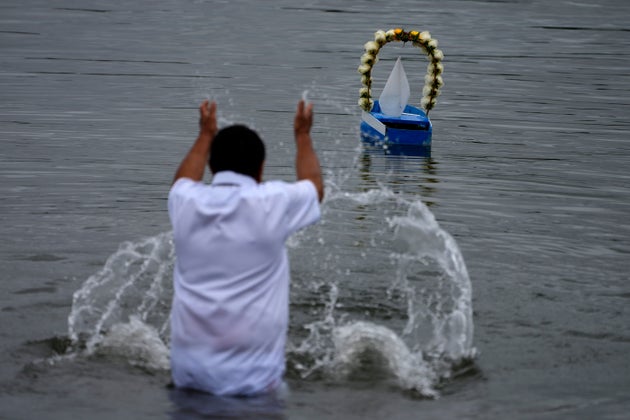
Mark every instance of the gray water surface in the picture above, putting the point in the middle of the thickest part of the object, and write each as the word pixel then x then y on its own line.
pixel 528 172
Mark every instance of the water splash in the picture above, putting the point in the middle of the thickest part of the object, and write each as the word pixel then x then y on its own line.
pixel 403 295
pixel 427 281
pixel 134 287
pixel 354 340
pixel 440 308
pixel 138 343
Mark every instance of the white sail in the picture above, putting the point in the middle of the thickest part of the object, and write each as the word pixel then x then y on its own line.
pixel 396 92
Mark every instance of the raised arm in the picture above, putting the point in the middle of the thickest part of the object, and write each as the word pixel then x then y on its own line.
pixel 194 164
pixel 306 161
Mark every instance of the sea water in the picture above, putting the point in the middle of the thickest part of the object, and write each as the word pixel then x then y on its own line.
pixel 528 173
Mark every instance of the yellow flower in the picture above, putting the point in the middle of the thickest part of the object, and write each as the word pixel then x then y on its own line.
pixel 414 35
pixel 398 32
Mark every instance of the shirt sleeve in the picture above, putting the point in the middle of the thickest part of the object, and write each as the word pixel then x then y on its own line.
pixel 180 190
pixel 303 208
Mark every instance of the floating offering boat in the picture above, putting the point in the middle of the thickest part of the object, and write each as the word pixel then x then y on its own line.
pixel 391 120
pixel 411 128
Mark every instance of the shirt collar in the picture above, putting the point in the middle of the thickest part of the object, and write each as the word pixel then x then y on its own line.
pixel 232 178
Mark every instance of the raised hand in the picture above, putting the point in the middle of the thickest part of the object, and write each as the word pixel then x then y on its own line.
pixel 208 118
pixel 303 118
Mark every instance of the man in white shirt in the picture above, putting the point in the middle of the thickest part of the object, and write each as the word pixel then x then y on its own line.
pixel 231 278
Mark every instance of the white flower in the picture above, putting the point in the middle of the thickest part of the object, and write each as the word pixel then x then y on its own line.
pixel 427 90
pixel 430 79
pixel 434 93
pixel 368 59
pixel 364 92
pixel 432 43
pixel 371 47
pixel 366 104
pixel 422 45
pixel 380 37
pixel 390 35
pixel 427 103
pixel 424 36
pixel 438 55
pixel 364 69
pixel 366 80
pixel 435 68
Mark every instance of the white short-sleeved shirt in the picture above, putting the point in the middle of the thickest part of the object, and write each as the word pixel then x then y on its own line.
pixel 231 280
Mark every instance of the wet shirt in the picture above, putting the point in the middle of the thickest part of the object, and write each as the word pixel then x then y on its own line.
pixel 231 280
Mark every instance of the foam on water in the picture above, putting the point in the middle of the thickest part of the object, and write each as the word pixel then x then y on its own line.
pixel 123 309
pixel 137 342
pixel 355 339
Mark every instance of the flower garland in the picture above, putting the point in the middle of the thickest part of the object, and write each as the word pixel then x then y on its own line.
pixel 433 79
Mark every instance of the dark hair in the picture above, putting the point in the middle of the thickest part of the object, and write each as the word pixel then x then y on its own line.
pixel 239 149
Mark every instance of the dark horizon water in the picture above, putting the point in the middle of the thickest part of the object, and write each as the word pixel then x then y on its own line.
pixel 528 174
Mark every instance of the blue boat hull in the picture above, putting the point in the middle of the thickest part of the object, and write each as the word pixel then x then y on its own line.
pixel 412 128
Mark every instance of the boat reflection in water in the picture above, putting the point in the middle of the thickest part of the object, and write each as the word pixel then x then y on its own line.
pixel 402 168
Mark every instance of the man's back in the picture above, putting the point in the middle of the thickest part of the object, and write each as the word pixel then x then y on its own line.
pixel 231 279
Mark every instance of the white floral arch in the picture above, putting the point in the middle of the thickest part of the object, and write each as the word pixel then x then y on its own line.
pixel 433 79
